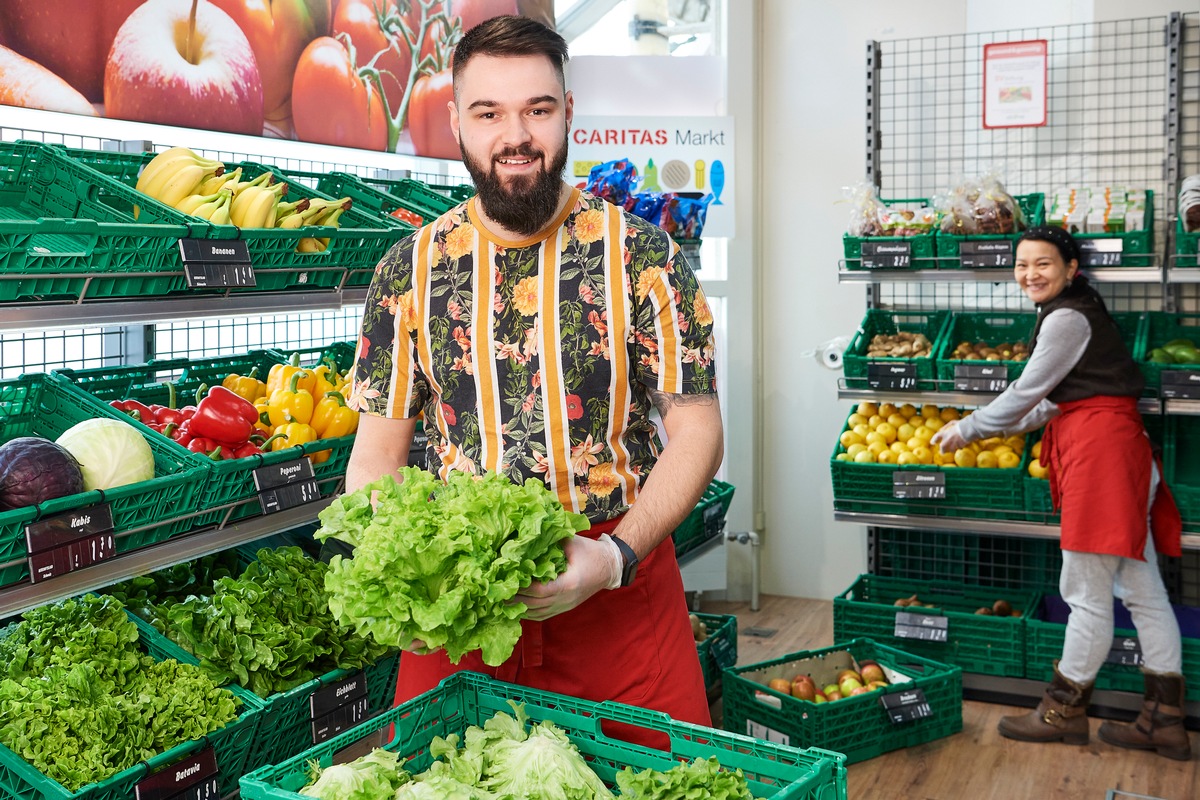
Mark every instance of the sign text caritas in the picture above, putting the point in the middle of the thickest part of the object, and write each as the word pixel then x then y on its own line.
pixel 643 136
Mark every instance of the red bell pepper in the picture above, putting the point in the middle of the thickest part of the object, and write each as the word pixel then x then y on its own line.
pixel 246 450
pixel 137 410
pixel 206 447
pixel 224 417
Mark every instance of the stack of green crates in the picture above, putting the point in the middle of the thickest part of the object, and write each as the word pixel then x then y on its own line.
pixel 1137 246
pixel 1187 246
pixel 706 521
pixel 882 322
pixel 466 699
pixel 718 650
pixel 976 327
pixel 1160 328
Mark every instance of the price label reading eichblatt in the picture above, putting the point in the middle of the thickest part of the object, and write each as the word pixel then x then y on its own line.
pixel 1126 651
pixel 1183 384
pixel 193 778
pixel 286 485
pixel 336 695
pixel 918 485
pixel 1100 252
pixel 984 255
pixel 980 378
pixel 340 719
pixel 925 627
pixel 906 706
pixel 69 541
pixel 216 263
pixel 891 376
pixel 886 255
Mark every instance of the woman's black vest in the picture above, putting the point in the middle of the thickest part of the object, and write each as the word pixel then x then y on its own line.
pixel 1106 368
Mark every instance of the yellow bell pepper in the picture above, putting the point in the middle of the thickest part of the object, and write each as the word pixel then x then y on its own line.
pixel 291 404
pixel 333 418
pixel 281 375
pixel 294 433
pixel 247 386
pixel 326 379
pixel 264 418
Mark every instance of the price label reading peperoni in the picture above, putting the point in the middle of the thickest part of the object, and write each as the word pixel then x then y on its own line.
pixel 286 485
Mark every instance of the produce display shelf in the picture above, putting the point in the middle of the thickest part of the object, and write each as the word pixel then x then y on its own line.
pixel 22 597
pixel 1146 405
pixel 1106 275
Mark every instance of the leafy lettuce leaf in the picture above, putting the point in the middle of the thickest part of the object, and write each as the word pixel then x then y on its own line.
pixel 702 778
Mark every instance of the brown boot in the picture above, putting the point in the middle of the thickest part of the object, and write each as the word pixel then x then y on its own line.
pixel 1060 717
pixel 1159 727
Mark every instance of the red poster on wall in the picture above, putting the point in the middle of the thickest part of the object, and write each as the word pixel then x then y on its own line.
pixel 372 74
pixel 1014 84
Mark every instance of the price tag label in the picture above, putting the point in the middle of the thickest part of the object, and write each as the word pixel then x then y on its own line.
pixel 906 706
pixel 286 485
pixel 925 627
pixel 723 652
pixel 980 378
pixel 69 541
pixel 193 778
pixel 887 255
pixel 1125 651
pixel 891 376
pixel 985 255
pixel 918 485
pixel 216 263
pixel 1100 252
pixel 1183 384
pixel 338 706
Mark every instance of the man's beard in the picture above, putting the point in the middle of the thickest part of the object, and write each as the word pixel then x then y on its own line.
pixel 527 204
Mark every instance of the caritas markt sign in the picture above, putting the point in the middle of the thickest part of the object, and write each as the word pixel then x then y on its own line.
pixel 690 156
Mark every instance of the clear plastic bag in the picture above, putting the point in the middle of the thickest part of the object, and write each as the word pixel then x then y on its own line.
pixel 865 208
pixel 996 212
pixel 957 209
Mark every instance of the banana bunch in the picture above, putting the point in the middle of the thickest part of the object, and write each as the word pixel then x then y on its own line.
pixel 312 212
pixel 255 203
pixel 175 174
pixel 213 207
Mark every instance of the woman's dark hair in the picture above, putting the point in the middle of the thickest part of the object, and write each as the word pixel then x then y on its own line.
pixel 1063 241
pixel 511 36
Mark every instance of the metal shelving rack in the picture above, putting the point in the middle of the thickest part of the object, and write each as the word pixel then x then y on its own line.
pixel 1124 108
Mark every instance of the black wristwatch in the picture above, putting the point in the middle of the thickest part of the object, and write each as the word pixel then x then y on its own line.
pixel 629 560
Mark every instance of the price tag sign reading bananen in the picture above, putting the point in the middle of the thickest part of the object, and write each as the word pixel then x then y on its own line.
pixel 209 263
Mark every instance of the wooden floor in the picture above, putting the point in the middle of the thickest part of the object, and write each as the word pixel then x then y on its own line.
pixel 977 764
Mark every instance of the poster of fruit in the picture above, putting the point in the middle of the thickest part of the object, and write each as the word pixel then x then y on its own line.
pixel 370 74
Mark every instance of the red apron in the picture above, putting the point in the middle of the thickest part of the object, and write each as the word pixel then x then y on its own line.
pixel 1098 457
pixel 633 645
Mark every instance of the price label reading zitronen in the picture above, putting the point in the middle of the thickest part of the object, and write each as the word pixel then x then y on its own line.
pixel 1100 252
pixel 926 627
pixel 985 255
pixel 193 778
pixel 906 706
pixel 286 485
pixel 1125 650
pixel 918 485
pixel 216 263
pixel 886 255
pixel 980 378
pixel 890 376
pixel 69 541
pixel 1183 384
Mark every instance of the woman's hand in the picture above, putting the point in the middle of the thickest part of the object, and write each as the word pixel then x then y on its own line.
pixel 948 437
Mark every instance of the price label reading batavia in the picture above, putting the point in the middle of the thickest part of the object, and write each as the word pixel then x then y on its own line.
pixel 216 263
pixel 985 255
pixel 339 706
pixel 1100 252
pixel 925 627
pixel 918 485
pixel 1126 651
pixel 193 778
pixel 906 706
pixel 980 378
pixel 1181 384
pixel 891 377
pixel 69 541
pixel 886 255
pixel 286 485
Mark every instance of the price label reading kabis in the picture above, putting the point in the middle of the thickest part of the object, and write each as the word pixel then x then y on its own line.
pixel 286 485
pixel 1125 650
pixel 980 378
pixel 906 706
pixel 925 627
pixel 339 706
pixel 1100 252
pixel 69 541
pixel 890 376
pixel 887 255
pixel 193 778
pixel 918 485
pixel 985 255
pixel 216 263
pixel 1182 384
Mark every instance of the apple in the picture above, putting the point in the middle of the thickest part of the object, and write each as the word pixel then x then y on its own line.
pixel 872 672
pixel 829 688
pixel 782 685
pixel 834 695
pixel 873 685
pixel 860 690
pixel 70 38
pixel 849 673
pixel 184 63
pixel 803 687
pixel 28 84
pixel 819 697
pixel 848 684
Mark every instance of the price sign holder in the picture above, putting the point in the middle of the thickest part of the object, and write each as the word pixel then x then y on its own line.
pixel 906 706
pixel 918 485
pixel 986 255
pixel 1100 252
pixel 69 541
pixel 216 263
pixel 925 627
pixel 980 378
pixel 193 778
pixel 1126 651
pixel 891 376
pixel 722 652
pixel 338 706
pixel 887 255
pixel 1181 384
pixel 286 485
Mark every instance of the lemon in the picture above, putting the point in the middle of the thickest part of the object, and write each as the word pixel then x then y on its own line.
pixel 987 460
pixel 1001 449
pixel 862 429
pixel 906 458
pixel 896 420
pixel 1017 443
pixel 875 436
pixel 887 431
pixel 1009 460
pixel 887 409
pixel 1036 452
pixel 888 457
pixel 856 419
pixel 908 409
pixel 929 411
pixel 923 454
pixel 850 437
pixel 964 457
pixel 924 433
pixel 948 414
pixel 876 448
pixel 934 424
pixel 1036 469
pixel 874 420
pixel 898 447
pixel 867 409
pixel 855 449
pixel 916 441
pixel 843 457
pixel 865 457
pixel 916 420
pixel 905 432
pixel 990 442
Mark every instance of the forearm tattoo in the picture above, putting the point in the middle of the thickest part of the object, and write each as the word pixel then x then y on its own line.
pixel 665 401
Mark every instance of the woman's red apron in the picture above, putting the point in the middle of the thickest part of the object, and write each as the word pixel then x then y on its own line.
pixel 1098 457
pixel 633 645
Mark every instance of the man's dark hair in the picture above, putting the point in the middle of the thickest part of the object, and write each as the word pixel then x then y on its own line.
pixel 511 36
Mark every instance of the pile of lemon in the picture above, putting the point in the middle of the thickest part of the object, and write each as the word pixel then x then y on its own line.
pixel 889 434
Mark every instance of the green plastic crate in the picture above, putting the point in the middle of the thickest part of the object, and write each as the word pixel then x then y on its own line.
pixel 1004 562
pixel 1160 328
pixel 883 322
pixel 706 521
pixel 990 327
pixel 949 244
pixel 718 651
pixel 922 246
pixel 466 698
pixel 458 192
pixel 19 780
pixel 1181 465
pixel 1187 246
pixel 1038 502
pixel 1137 247
pixel 143 513
pixel 986 645
pixel 858 726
